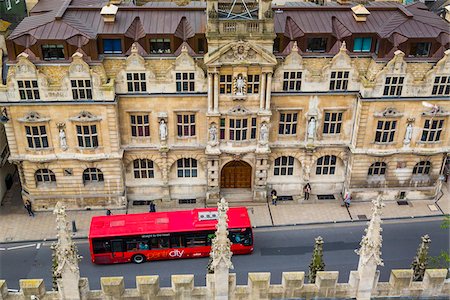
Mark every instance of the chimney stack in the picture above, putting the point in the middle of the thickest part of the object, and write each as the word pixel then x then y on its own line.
pixel 360 13
pixel 109 13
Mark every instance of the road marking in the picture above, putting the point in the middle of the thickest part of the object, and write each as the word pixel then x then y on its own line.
pixel 2 249
pixel 20 247
pixel 38 246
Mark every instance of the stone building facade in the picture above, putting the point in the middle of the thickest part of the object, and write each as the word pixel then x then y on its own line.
pixel 185 104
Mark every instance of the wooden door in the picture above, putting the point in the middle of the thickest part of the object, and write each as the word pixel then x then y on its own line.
pixel 236 174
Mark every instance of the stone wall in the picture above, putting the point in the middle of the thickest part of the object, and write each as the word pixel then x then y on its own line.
pixel 293 285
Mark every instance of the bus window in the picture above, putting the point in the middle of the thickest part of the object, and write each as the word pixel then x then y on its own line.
pixel 143 246
pixel 195 240
pixel 176 242
pixel 209 238
pixel 237 236
pixel 117 246
pixel 101 246
pixel 131 246
pixel 160 243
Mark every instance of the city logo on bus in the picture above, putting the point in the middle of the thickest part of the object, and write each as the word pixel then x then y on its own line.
pixel 176 253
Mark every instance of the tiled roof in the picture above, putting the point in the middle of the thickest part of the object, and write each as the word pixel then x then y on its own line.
pixel 82 17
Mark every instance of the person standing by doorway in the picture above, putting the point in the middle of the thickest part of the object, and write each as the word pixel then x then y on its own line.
pixel 152 207
pixel 307 190
pixel 274 196
pixel 29 208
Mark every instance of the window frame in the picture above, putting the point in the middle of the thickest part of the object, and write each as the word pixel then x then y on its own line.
pixel 377 169
pixel 284 164
pixel 424 166
pixel 36 137
pixel 430 134
pixel 393 89
pixel 26 91
pixel 140 130
pixel 90 172
pixel 285 125
pixel 225 84
pixel 136 82
pixel 187 168
pixel 326 165
pixel 185 82
pixel 50 49
pixel 43 174
pixel 77 90
pixel 385 135
pixel 186 125
pixel 164 40
pixel 84 138
pixel 253 83
pixel 114 42
pixel 414 47
pixel 339 83
pixel 441 86
pixel 292 81
pixel 143 168
pixel 312 40
pixel 332 127
pixel 361 49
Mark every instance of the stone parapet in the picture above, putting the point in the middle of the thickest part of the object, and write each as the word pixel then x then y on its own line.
pixel 259 287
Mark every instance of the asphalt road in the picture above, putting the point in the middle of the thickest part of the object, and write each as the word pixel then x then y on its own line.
pixel 276 250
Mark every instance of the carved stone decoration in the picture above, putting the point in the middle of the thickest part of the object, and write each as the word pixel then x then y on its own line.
pixel 388 112
pixel 85 116
pixel 33 117
pixel 163 130
pixel 408 134
pixel 62 136
pixel 239 111
pixel 312 128
pixel 24 66
pixel 241 50
pixel 371 242
pixel 213 135
pixel 78 67
pixel 239 86
pixel 436 111
pixel 264 134
pixel 221 245
pixel 66 256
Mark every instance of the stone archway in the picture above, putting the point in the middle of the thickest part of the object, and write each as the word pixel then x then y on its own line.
pixel 236 174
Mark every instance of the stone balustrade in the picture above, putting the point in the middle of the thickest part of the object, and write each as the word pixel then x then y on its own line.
pixel 258 287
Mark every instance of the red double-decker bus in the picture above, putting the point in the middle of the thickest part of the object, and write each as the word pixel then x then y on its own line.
pixel 165 235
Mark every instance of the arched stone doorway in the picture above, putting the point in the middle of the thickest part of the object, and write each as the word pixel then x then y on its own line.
pixel 236 174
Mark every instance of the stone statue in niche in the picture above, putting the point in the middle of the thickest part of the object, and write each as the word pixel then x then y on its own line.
pixel 408 134
pixel 62 138
pixel 213 134
pixel 162 130
pixel 240 85
pixel 312 128
pixel 264 134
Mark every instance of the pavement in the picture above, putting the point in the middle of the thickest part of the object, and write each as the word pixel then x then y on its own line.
pixel 17 226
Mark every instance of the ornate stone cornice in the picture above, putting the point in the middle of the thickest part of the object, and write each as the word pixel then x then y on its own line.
pixel 85 116
pixel 388 112
pixel 33 117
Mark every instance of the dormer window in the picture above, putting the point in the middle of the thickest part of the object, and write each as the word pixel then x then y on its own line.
pixel 316 45
pixel 53 52
pixel 112 46
pixel 362 44
pixel 160 46
pixel 420 49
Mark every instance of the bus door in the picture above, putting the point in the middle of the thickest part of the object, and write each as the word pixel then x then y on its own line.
pixel 117 249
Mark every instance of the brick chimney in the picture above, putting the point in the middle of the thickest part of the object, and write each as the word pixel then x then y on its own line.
pixel 109 12
pixel 360 13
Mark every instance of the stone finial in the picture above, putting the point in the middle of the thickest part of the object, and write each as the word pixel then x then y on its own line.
pixel 66 258
pixel 221 244
pixel 420 261
pixel 343 47
pixel 184 49
pixel 294 47
pixel 134 48
pixel 372 241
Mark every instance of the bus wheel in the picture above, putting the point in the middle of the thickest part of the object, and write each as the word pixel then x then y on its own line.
pixel 138 258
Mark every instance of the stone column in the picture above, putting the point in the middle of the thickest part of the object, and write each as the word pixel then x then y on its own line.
pixel 262 92
pixel 261 170
pixel 221 254
pixel 216 92
pixel 268 90
pixel 210 92
pixel 370 253
pixel 67 270
pixel 213 190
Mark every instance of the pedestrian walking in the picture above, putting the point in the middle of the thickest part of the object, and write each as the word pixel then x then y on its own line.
pixel 347 200
pixel 152 207
pixel 29 208
pixel 108 212
pixel 307 190
pixel 274 196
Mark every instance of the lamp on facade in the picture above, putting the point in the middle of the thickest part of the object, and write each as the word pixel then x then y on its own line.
pixel 4 117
